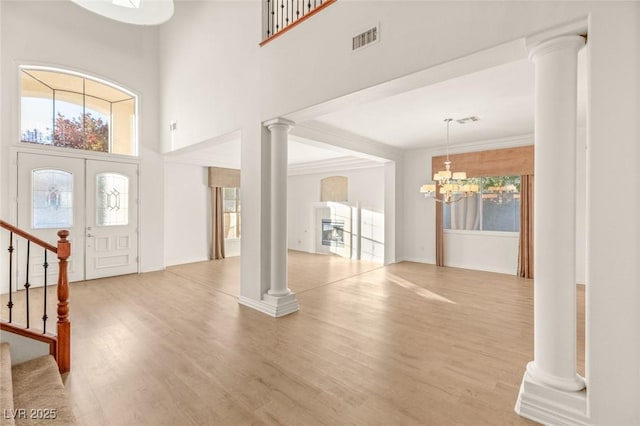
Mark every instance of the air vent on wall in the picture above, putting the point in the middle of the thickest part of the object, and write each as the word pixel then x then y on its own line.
pixel 365 38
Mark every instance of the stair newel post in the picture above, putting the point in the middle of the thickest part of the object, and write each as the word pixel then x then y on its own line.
pixel 64 326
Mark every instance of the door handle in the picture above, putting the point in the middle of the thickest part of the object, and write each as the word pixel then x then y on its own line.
pixel 89 235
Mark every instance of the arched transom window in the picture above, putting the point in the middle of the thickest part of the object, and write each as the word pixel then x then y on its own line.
pixel 71 110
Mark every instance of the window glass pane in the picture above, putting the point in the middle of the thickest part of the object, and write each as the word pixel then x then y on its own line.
pixel 123 123
pixel 36 111
pixel 229 193
pixel 496 208
pixel 112 199
pixel 68 124
pixel 96 124
pixel 229 205
pixel 78 112
pixel 52 199
pixel 501 203
pixel 466 214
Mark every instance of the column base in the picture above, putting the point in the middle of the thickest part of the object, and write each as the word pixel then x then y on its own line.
pixel 275 306
pixel 550 406
pixel 572 384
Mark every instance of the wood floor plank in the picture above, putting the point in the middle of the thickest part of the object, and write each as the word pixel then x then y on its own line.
pixel 405 344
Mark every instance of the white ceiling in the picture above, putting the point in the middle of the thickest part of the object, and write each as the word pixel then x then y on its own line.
pixel 502 98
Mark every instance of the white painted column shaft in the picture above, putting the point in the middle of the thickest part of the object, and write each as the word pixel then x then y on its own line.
pixel 279 129
pixel 555 213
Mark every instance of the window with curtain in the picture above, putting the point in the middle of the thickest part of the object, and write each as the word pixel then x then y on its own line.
pixel 495 208
pixel 231 210
pixel 71 110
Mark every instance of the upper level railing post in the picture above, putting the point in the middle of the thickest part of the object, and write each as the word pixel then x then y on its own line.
pixel 64 326
pixel 278 16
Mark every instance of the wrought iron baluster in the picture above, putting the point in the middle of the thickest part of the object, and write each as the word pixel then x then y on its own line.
pixel 298 9
pixel 267 15
pixel 10 304
pixel 26 284
pixel 45 265
pixel 276 17
pixel 282 13
pixel 286 14
pixel 309 6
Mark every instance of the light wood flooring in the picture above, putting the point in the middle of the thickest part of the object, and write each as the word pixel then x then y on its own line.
pixel 404 344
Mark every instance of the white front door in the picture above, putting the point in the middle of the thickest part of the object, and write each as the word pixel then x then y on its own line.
pixel 96 201
pixel 112 225
pixel 50 198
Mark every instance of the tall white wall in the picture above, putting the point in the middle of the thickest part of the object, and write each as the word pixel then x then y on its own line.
pixel 613 229
pixel 209 70
pixel 366 186
pixel 187 223
pixel 65 35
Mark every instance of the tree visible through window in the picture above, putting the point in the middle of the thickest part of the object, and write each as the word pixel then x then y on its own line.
pixel 495 208
pixel 69 110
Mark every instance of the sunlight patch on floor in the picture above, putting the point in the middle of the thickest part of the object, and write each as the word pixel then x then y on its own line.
pixel 420 291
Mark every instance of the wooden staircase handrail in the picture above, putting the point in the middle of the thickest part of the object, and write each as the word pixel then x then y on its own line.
pixel 49 339
pixel 28 236
pixel 62 344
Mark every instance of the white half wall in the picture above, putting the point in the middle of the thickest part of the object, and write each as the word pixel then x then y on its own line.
pixel 187 223
pixel 482 251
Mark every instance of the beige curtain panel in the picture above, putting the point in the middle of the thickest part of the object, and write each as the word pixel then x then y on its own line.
pixel 217 246
pixel 439 232
pixel 525 252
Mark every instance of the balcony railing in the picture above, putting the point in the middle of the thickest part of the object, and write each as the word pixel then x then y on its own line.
pixel 279 16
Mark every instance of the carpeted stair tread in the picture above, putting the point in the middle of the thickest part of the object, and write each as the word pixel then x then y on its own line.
pixel 37 387
pixel 6 386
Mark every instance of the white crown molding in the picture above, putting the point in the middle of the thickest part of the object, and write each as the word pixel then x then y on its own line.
pixel 507 142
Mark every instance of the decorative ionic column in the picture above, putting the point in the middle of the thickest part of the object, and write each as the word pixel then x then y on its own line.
pixel 552 374
pixel 279 296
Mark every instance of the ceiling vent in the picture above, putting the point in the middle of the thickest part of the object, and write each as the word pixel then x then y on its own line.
pixel 365 38
pixel 466 120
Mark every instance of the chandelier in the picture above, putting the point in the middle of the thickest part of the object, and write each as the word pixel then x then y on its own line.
pixel 453 186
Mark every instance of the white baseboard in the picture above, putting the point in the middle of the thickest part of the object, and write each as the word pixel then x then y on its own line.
pixel 273 306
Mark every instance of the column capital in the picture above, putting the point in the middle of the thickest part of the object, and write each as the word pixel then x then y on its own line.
pixel 575 42
pixel 279 122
